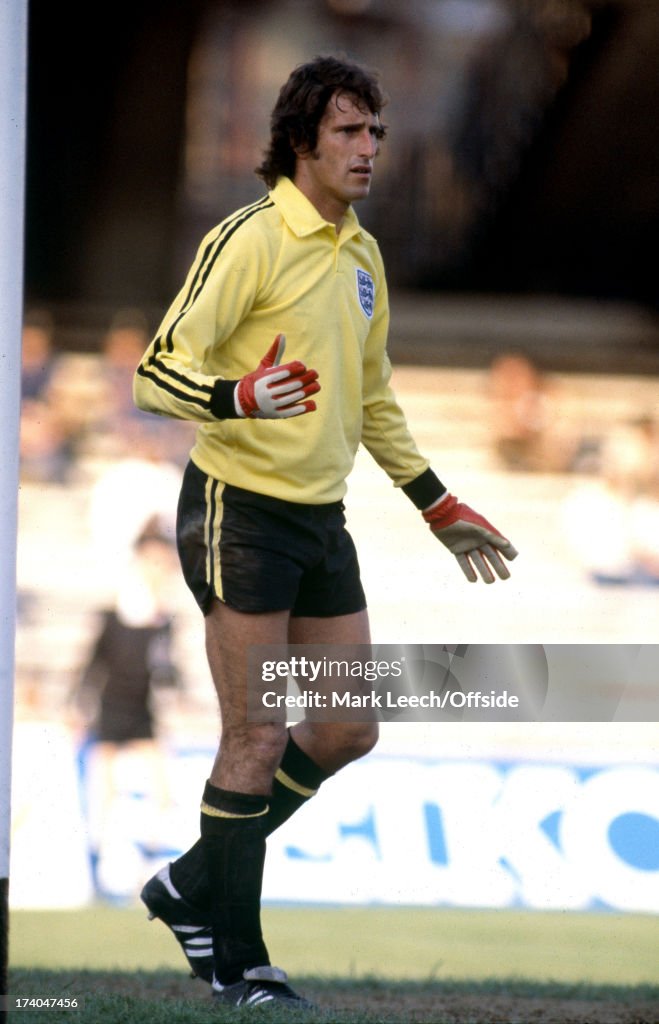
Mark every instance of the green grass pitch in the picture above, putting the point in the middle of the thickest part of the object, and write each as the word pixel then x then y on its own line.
pixel 359 964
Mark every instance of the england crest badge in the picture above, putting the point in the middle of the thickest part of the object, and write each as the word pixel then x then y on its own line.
pixel 365 292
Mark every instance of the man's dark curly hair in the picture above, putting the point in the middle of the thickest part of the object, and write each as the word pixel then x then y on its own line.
pixel 301 104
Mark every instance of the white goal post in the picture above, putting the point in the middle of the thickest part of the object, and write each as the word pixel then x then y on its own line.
pixel 13 76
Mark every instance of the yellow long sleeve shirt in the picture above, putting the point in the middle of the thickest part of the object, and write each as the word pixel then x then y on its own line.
pixel 278 267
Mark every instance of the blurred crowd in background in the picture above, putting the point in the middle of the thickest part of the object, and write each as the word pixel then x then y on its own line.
pixel 81 406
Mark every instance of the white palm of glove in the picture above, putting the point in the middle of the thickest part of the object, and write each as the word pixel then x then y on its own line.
pixel 273 391
pixel 277 400
pixel 476 544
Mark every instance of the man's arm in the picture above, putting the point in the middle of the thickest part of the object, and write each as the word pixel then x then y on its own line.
pixel 175 377
pixel 272 391
pixel 476 544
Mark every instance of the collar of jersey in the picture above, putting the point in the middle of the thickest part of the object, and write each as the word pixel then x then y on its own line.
pixel 303 218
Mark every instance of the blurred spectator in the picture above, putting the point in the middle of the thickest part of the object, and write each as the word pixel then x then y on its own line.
pixel 527 430
pixel 132 650
pixel 152 484
pixel 38 358
pixel 123 348
pixel 511 80
pixel 47 440
pixel 130 661
pixel 612 522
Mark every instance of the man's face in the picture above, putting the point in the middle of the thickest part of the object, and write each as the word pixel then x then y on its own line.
pixel 340 169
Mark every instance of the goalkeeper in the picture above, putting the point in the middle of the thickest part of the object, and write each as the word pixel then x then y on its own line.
pixel 285 298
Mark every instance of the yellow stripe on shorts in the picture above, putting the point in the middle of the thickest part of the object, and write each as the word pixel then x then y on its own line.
pixel 213 530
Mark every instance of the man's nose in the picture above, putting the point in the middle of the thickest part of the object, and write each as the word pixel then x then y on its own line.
pixel 369 145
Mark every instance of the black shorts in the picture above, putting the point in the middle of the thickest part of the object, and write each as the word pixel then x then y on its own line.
pixel 262 554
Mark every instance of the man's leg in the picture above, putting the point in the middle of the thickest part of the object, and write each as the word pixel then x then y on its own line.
pixel 237 794
pixel 239 802
pixel 332 745
pixel 313 753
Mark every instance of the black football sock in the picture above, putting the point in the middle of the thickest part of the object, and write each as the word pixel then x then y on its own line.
pixel 296 780
pixel 233 841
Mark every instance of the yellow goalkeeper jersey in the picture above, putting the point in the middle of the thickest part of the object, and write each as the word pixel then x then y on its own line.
pixel 278 267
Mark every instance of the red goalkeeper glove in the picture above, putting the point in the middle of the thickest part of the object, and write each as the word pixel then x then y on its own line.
pixel 276 392
pixel 476 544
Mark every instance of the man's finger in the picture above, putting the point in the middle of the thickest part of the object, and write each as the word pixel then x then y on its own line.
pixel 484 571
pixel 467 568
pixel 505 547
pixel 493 557
pixel 275 352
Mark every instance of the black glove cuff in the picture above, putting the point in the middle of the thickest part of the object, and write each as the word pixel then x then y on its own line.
pixel 426 489
pixel 222 404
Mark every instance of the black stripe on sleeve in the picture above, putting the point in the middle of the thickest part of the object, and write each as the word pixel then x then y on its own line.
pixel 207 262
pixel 184 396
pixel 169 371
pixel 204 398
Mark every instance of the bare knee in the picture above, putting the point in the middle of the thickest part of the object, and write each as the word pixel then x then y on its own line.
pixel 360 739
pixel 332 747
pixel 248 757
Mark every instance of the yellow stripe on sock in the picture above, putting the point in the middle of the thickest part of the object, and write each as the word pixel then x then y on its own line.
pixel 213 812
pixel 290 783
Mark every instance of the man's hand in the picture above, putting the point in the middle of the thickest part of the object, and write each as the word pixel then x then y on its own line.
pixel 276 392
pixel 474 542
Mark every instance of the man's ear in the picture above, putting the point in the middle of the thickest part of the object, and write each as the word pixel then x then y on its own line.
pixel 302 151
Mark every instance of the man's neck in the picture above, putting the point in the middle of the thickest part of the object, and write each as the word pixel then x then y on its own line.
pixel 331 209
